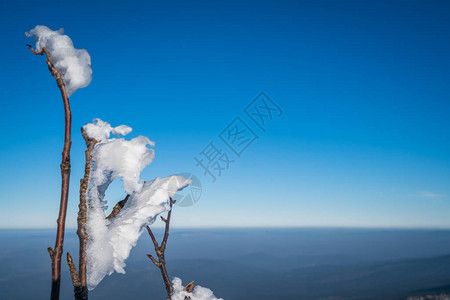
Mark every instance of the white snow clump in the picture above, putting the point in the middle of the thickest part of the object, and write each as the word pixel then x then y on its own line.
pixel 199 292
pixel 110 241
pixel 73 64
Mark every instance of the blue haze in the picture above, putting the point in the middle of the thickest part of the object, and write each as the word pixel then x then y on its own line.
pixel 250 264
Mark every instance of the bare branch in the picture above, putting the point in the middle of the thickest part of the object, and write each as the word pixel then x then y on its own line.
pixel 80 292
pixel 154 260
pixel 161 264
pixel 188 288
pixel 166 231
pixel 50 251
pixel 34 52
pixel 155 243
pixel 73 271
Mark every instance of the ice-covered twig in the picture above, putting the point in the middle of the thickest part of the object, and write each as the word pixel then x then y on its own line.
pixel 55 254
pixel 161 263
pixel 117 208
pixel 82 212
pixel 79 280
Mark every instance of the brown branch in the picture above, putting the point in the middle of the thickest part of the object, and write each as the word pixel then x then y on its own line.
pixel 80 292
pixel 154 260
pixel 65 176
pixel 50 251
pixel 34 51
pixel 161 264
pixel 117 208
pixel 189 287
pixel 73 271
pixel 82 212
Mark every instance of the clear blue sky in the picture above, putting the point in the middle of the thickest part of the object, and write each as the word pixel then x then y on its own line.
pixel 363 85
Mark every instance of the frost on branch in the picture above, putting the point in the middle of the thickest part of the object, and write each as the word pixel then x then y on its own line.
pixel 73 64
pixel 110 241
pixel 199 293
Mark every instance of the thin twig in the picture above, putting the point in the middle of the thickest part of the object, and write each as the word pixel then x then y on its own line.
pixel 73 271
pixel 161 263
pixel 50 251
pixel 118 207
pixel 65 176
pixel 80 292
pixel 188 288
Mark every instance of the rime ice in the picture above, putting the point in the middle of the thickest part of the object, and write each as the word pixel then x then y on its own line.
pixel 101 131
pixel 110 242
pixel 199 293
pixel 73 64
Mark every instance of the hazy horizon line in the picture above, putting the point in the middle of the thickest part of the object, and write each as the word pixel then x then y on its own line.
pixel 262 227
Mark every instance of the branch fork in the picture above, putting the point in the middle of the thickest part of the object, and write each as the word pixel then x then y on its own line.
pixel 160 250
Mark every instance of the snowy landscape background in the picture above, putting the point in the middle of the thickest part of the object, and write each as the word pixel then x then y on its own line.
pixel 252 264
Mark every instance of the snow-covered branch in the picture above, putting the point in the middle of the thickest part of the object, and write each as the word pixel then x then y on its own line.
pixel 73 64
pixel 106 242
pixel 198 293
pixel 110 241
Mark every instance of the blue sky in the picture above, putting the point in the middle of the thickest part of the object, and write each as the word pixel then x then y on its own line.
pixel 362 142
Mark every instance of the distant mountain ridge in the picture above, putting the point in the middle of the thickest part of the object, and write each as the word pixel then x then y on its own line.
pixel 385 280
pixel 251 264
